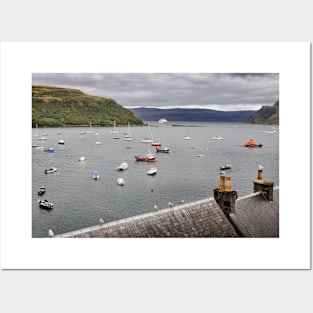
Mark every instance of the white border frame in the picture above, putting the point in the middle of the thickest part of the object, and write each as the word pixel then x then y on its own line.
pixel 290 251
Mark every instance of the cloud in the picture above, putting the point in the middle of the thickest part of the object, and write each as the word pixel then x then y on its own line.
pixel 173 89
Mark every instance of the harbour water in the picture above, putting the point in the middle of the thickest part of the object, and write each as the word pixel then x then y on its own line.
pixel 189 172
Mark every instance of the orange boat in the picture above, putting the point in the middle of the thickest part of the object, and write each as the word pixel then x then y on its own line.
pixel 251 143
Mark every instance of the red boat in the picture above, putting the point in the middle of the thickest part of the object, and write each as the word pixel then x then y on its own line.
pixel 251 143
pixel 148 158
pixel 156 144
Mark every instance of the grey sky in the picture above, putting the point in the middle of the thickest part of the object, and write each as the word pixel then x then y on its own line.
pixel 239 91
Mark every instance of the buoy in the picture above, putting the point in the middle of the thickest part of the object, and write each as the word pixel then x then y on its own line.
pixel 50 233
pixel 151 190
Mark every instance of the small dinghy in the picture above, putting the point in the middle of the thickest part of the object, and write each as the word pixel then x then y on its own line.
pixel 225 167
pixel 51 170
pixel 42 190
pixel 95 174
pixel 61 142
pixel 121 181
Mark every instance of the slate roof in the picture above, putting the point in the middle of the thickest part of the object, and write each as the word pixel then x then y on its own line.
pixel 254 217
pixel 203 218
pixel 257 217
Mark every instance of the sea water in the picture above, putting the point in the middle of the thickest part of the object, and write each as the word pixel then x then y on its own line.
pixel 189 172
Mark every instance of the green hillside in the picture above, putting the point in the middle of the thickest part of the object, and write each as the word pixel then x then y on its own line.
pixel 54 106
pixel 266 115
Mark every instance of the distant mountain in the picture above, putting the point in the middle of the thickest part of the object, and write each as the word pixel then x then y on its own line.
pixel 54 106
pixel 192 115
pixel 266 115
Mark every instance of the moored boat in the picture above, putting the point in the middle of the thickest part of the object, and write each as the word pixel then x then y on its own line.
pixel 162 149
pixel 123 166
pixel 152 171
pixel 120 181
pixel 148 158
pixel 51 170
pixel 225 167
pixel 61 142
pixel 45 204
pixel 251 143
pixel 42 190
pixel 217 137
pixel 95 174
pixel 51 150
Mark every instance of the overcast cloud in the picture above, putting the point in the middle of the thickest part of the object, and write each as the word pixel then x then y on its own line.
pixel 240 91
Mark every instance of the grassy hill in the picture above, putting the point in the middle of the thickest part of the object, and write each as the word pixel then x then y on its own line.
pixel 54 106
pixel 266 115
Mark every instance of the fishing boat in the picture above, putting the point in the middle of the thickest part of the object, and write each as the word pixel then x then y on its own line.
pixel 251 143
pixel 123 166
pixel 50 150
pixel 45 204
pixel 152 171
pixel 148 158
pixel 121 181
pixel 51 170
pixel 61 142
pixel 82 158
pixel 162 120
pixel 42 190
pixel 162 149
pixel 95 174
pixel 225 167
pixel 217 137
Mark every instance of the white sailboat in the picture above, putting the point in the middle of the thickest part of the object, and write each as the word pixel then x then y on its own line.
pixel 128 136
pixel 36 133
pixel 114 128
pixel 117 135
pixel 148 139
pixel 90 130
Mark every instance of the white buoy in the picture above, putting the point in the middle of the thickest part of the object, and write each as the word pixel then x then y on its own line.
pixel 101 221
pixel 50 233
